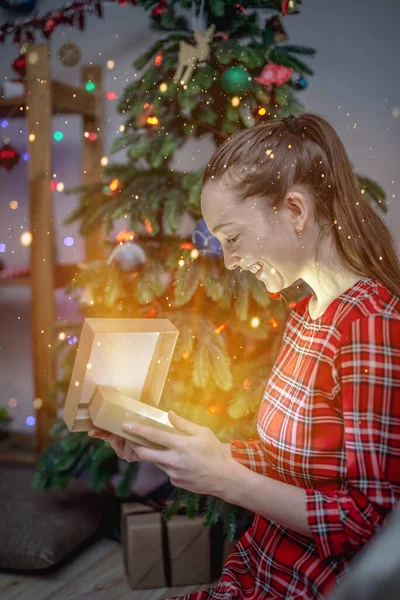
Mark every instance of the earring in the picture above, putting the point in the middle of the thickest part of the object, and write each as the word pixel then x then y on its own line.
pixel 299 232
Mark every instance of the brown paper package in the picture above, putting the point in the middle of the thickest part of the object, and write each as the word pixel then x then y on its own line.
pixel 189 543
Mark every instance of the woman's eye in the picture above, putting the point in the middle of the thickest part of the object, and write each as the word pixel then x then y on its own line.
pixel 234 239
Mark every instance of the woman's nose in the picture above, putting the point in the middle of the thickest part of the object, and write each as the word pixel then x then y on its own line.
pixel 231 262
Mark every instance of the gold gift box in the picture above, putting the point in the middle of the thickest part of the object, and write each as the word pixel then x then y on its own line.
pixel 119 373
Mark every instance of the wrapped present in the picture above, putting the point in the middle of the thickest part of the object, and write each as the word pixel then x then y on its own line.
pixel 179 552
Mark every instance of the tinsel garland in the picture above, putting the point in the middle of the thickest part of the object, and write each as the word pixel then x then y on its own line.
pixel 72 14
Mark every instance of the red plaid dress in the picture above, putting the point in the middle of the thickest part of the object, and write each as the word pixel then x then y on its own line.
pixel 329 422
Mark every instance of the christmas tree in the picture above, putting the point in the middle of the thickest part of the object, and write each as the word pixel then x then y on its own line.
pixel 222 69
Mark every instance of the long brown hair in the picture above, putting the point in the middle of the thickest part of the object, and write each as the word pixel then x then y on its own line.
pixel 269 159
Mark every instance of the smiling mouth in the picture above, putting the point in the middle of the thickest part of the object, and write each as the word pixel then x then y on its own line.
pixel 256 269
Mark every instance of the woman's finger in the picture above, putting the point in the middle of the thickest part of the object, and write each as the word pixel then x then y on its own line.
pixel 99 433
pixel 118 444
pixel 121 446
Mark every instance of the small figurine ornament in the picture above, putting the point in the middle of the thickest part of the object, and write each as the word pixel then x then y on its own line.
pixel 69 54
pixel 189 55
pixel 127 256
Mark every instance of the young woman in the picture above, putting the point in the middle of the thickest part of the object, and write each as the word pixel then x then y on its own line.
pixel 324 474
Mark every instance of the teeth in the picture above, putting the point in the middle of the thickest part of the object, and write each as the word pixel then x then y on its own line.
pixel 255 268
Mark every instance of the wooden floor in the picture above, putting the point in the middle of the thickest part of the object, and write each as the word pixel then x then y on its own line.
pixel 98 572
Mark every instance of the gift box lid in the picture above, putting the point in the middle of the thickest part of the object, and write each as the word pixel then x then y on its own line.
pixel 128 355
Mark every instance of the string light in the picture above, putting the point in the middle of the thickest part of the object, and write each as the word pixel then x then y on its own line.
pixel 13 205
pixel 110 64
pixel 194 254
pixel 262 111
pixel 148 226
pixel 114 185
pixel 60 186
pixel 37 403
pixel 33 57
pixel 235 101
pixel 220 328
pixel 26 238
pixel 111 95
pixel 90 86
pixel 163 87
pixel 152 120
pixel 31 137
pixel 104 161
pixel 122 128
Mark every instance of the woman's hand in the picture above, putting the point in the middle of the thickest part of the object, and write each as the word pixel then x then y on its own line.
pixel 197 462
pixel 123 448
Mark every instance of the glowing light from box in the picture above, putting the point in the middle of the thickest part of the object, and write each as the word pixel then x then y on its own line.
pixel 104 161
pixel 68 241
pixel 14 204
pixel 26 238
pixel 37 403
pixel 111 95
pixel 110 64
pixel 58 136
pixel 30 421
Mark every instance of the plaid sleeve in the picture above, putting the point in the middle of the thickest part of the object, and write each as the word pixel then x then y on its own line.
pixel 251 455
pixel 367 390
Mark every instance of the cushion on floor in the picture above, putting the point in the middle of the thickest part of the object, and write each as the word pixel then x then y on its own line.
pixel 38 529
